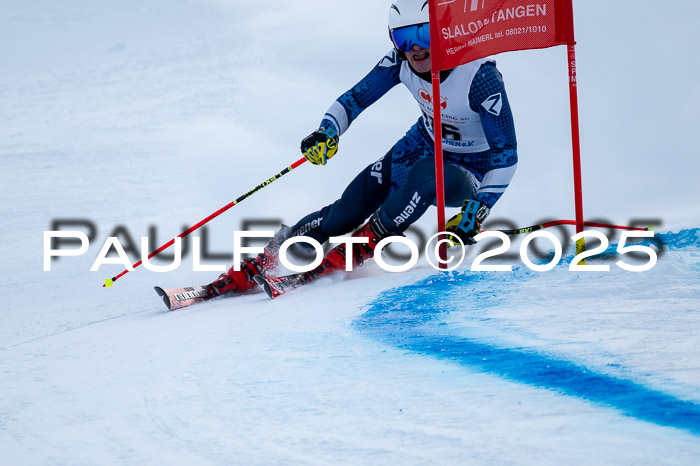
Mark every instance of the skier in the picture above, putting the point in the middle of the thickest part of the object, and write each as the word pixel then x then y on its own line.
pixel 480 154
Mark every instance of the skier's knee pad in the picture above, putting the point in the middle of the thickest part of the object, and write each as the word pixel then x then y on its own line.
pixel 460 184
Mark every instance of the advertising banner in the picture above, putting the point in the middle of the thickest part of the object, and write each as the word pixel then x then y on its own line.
pixel 473 29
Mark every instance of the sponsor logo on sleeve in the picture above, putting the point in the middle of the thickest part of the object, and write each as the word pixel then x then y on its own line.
pixel 493 104
pixel 390 60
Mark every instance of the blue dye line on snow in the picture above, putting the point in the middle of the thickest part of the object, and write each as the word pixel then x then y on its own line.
pixel 684 239
pixel 409 318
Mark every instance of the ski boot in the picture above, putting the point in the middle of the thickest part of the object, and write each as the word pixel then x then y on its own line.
pixel 264 263
pixel 336 259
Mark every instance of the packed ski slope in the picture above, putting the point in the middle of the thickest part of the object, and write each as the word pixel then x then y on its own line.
pixel 132 114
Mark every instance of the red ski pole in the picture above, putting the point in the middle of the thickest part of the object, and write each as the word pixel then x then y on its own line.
pixel 110 281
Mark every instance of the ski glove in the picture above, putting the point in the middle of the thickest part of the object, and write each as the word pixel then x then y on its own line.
pixel 467 224
pixel 320 145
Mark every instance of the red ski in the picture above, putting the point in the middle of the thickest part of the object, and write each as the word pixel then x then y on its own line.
pixel 176 298
pixel 276 286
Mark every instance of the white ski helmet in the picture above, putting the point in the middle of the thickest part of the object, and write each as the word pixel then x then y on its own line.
pixel 407 13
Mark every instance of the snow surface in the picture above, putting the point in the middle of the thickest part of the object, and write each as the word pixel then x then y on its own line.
pixel 140 114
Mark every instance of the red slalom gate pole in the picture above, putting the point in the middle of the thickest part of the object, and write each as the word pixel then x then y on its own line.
pixel 110 281
pixel 439 175
pixel 578 188
pixel 437 131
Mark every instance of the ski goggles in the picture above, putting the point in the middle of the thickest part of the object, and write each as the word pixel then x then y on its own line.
pixel 406 37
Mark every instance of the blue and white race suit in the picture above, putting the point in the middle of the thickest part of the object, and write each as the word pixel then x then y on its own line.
pixel 480 149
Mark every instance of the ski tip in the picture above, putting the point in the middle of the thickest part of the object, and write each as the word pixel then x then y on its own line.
pixel 164 295
pixel 265 286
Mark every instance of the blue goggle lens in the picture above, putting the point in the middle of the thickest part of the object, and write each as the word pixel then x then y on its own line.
pixel 405 38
